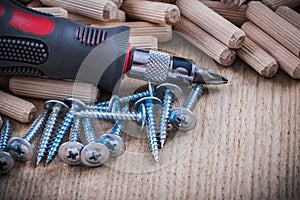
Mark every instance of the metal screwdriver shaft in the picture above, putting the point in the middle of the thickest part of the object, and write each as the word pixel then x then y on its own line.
pixel 6 160
pixel 21 148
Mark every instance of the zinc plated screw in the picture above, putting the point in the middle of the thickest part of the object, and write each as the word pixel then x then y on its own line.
pixel 65 125
pixel 6 160
pixel 114 141
pixel 149 105
pixel 139 117
pixel 124 99
pixel 93 154
pixel 169 92
pixel 56 109
pixel 21 148
pixel 69 152
pixel 183 118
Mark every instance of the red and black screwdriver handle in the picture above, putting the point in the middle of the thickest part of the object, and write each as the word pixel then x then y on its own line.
pixel 35 43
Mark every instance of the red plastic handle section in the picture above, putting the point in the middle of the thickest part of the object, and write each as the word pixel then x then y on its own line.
pixel 31 24
pixel 2 10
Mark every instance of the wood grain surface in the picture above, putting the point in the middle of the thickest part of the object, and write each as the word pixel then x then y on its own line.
pixel 246 145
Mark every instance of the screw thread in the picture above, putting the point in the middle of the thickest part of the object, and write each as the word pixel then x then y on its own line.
pixel 5 135
pixel 89 131
pixel 152 138
pixel 164 119
pixel 75 129
pixel 35 127
pixel 102 106
pixel 193 98
pixel 50 126
pixel 120 125
pixel 60 134
pixel 130 116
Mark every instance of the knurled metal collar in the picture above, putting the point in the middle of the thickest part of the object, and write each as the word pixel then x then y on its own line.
pixel 157 66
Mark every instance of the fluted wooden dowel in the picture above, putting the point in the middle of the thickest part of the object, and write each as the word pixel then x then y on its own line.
pixel 205 42
pixel 289 15
pixel 98 9
pixel 143 42
pixel 273 4
pixel 53 89
pixel 16 108
pixel 56 11
pixel 287 60
pixel 257 58
pixel 212 22
pixel 232 3
pixel 156 12
pixel 236 15
pixel 277 27
pixel 162 32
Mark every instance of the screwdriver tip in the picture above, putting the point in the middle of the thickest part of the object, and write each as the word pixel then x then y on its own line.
pixel 208 77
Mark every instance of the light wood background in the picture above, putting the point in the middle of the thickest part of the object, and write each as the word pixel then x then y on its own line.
pixel 246 145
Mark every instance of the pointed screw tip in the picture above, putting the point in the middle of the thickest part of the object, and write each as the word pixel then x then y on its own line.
pixel 38 160
pixel 47 162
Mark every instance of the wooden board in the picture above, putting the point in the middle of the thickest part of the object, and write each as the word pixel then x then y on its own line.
pixel 246 145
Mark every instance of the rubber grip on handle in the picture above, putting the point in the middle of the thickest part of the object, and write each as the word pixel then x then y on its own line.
pixel 58 47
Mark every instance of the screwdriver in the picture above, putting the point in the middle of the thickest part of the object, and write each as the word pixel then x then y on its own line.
pixel 33 43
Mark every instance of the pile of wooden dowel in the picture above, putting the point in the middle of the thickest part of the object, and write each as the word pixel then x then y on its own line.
pixel 265 34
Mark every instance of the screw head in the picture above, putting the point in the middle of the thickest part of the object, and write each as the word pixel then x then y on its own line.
pixel 7 162
pixel 175 90
pixel 75 103
pixel 94 154
pixel 69 152
pixel 24 150
pixel 114 104
pixel 49 104
pixel 183 119
pixel 114 143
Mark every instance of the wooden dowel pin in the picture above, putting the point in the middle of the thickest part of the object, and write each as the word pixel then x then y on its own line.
pixel 277 27
pixel 205 42
pixel 16 108
pixel 273 4
pixel 257 58
pixel 212 22
pixel 98 9
pixel 162 32
pixel 156 12
pixel 236 15
pixel 289 15
pixel 143 42
pixel 287 60
pixel 232 3
pixel 53 89
pixel 56 11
